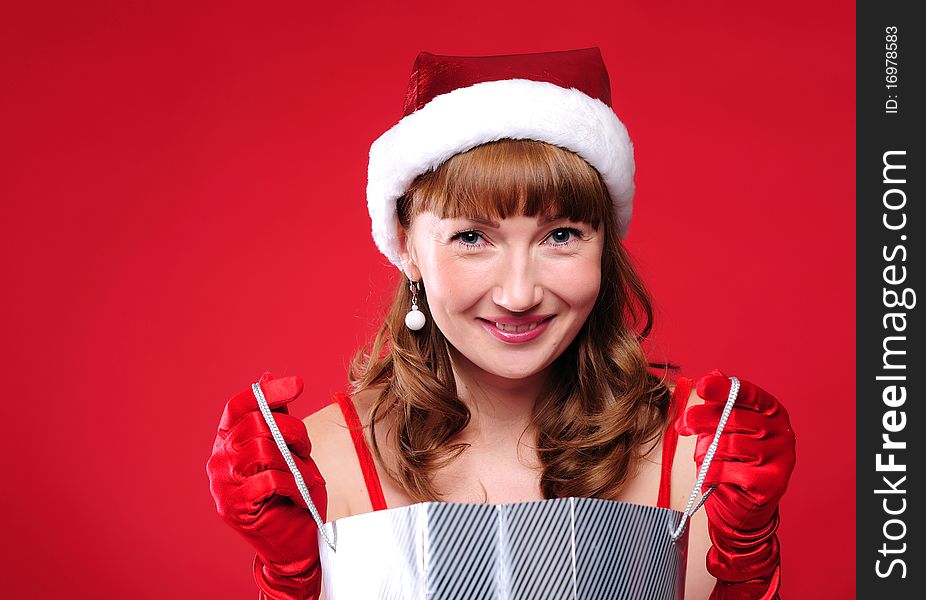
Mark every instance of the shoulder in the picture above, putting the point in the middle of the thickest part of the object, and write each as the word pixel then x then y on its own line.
pixel 328 424
pixel 331 449
pixel 692 385
pixel 335 455
pixel 684 473
pixel 322 419
pixel 326 428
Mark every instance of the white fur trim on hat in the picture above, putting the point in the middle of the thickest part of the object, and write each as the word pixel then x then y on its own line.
pixel 488 111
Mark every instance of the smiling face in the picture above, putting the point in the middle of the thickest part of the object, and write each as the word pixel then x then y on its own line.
pixel 509 295
pixel 507 240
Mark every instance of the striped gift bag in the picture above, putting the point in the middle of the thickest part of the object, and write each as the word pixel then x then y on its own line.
pixel 582 548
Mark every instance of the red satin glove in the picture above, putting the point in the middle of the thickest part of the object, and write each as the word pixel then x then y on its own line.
pixel 751 468
pixel 256 493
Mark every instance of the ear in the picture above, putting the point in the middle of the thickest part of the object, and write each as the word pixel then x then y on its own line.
pixel 406 253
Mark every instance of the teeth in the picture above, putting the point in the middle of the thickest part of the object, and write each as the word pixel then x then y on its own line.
pixel 518 329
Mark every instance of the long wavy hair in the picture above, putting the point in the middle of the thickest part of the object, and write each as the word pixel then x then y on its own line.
pixel 602 408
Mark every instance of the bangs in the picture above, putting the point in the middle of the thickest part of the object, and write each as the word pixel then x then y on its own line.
pixel 509 178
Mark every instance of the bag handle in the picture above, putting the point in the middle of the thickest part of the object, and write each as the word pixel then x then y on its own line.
pixel 702 473
pixel 288 457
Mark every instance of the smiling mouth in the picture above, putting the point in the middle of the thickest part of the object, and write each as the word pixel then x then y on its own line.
pixel 517 328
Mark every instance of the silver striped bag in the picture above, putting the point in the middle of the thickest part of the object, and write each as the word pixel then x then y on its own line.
pixel 562 548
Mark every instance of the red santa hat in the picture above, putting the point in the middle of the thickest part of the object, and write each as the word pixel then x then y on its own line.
pixel 455 103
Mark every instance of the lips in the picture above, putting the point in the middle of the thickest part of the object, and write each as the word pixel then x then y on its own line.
pixel 523 331
pixel 517 321
pixel 517 328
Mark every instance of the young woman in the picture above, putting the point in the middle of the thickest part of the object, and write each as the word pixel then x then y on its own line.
pixel 503 195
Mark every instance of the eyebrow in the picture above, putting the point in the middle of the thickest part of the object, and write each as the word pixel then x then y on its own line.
pixel 496 225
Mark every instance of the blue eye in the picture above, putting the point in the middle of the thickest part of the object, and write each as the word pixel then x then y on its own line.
pixel 468 238
pixel 570 230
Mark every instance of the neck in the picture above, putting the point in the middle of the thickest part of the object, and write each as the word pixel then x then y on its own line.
pixel 500 408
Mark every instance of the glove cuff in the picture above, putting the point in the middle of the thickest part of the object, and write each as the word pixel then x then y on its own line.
pixel 738 556
pixel 758 589
pixel 277 586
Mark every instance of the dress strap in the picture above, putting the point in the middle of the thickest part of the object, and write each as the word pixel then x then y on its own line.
pixel 670 441
pixel 367 466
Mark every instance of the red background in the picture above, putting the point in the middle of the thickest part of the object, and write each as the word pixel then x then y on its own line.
pixel 183 192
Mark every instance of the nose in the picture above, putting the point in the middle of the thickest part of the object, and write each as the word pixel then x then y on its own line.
pixel 518 288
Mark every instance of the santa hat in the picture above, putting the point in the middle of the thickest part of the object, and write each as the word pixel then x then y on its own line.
pixel 455 103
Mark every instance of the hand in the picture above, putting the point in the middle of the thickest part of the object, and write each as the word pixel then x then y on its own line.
pixel 751 468
pixel 256 494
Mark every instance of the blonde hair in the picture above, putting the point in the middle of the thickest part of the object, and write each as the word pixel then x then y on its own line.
pixel 603 407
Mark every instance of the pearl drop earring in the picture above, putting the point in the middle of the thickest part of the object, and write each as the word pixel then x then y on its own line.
pixel 414 320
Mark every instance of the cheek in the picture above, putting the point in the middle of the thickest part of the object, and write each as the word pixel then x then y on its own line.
pixel 578 282
pixel 456 283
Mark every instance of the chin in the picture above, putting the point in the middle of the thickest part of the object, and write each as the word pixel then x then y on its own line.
pixel 513 371
pixel 515 375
